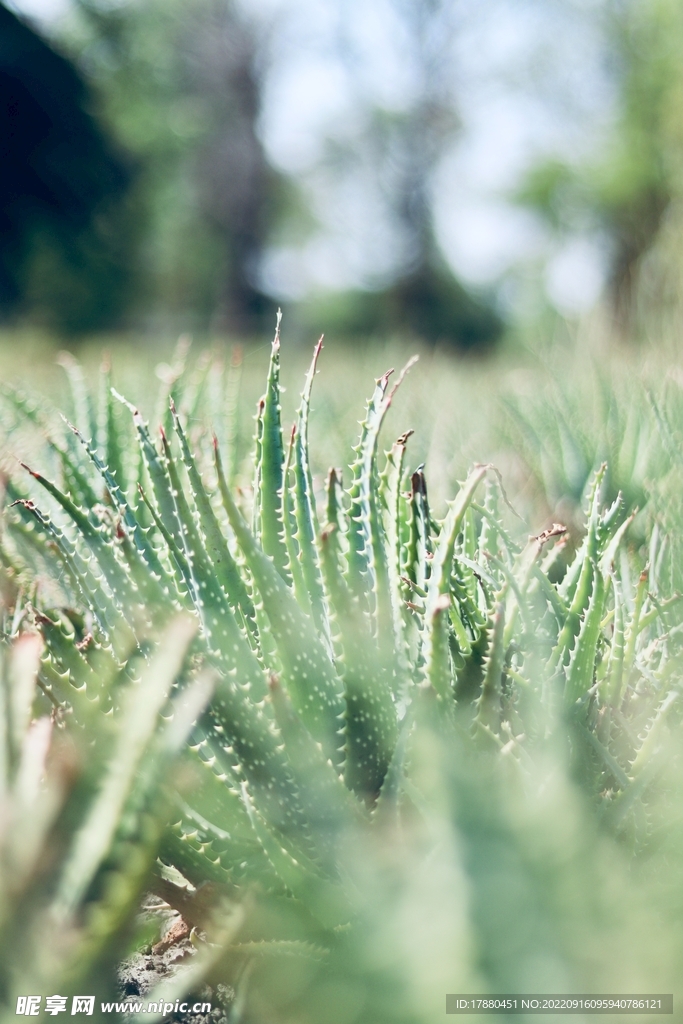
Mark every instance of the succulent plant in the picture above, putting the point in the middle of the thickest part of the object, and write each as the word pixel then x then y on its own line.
pixel 375 673
pixel 83 810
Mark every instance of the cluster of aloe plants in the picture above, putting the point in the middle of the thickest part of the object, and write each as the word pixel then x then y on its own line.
pixel 368 664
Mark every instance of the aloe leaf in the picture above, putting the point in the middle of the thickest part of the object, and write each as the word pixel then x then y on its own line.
pixel 117 886
pixel 309 674
pixel 111 438
pixel 258 449
pixel 220 626
pixel 371 719
pixel 239 856
pixel 589 545
pixel 270 467
pixel 158 475
pixel 391 494
pixel 369 676
pixel 437 660
pixel 387 808
pixel 610 762
pixel 459 640
pixel 420 547
pixel 139 722
pixel 370 713
pixel 192 853
pixel 359 533
pixel 214 795
pixel 659 611
pixel 585 578
pixel 469 536
pixel 224 638
pixel 370 716
pixel 262 763
pixel 290 853
pixel 489 703
pixel 491 531
pixel 228 854
pixel 517 605
pixel 438 591
pixel 551 595
pixel 612 688
pixel 633 628
pixel 219 555
pixel 653 733
pixel 86 583
pixel 469 586
pixel 242 682
pixel 305 511
pixel 82 677
pixel 267 644
pixel 325 800
pixel 294 552
pixel 627 799
pixel 241 735
pixel 184 578
pixel 331 554
pixel 324 898
pixel 367 558
pixel 95 537
pixel 75 480
pixel 137 533
pixel 581 668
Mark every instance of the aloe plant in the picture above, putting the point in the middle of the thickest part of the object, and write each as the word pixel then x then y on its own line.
pixel 372 666
pixel 83 807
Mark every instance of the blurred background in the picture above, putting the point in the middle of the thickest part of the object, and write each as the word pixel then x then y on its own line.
pixel 446 169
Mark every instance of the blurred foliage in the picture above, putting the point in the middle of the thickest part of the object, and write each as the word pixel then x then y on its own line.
pixel 67 227
pixel 631 191
pixel 397 150
pixel 571 428
pixel 428 305
pixel 181 87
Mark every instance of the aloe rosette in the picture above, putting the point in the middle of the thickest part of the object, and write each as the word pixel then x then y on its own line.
pixel 341 632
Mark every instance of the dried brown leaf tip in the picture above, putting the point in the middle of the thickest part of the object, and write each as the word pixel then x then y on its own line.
pixel 556 530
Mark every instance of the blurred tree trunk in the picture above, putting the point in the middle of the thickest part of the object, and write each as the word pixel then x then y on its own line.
pixel 223 57
pixel 428 126
pixel 405 148
pixel 182 83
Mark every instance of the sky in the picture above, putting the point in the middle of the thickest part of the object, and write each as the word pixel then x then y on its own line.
pixel 43 10
pixel 507 50
pixel 514 104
